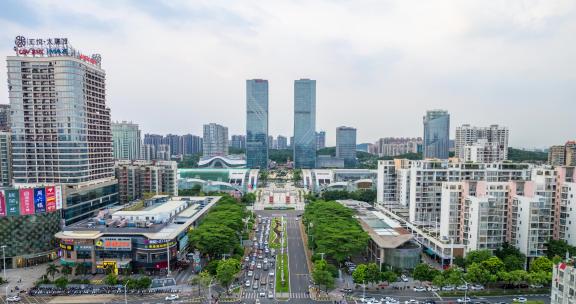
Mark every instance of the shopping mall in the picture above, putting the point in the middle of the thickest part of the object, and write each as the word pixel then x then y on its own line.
pixel 138 236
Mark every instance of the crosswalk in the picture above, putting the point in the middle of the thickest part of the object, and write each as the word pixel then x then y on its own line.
pixel 293 295
pixel 183 277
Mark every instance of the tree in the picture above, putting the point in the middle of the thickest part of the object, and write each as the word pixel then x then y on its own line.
pixel 226 271
pixel 372 273
pixel 52 270
pixel 249 198
pixel 80 269
pixel 144 282
pixel 202 280
pixel 539 278
pixel 518 276
pixel 459 261
pixel 513 262
pixel 421 272
pixel 477 256
pixel 359 274
pixel 66 270
pixel 111 279
pixel 559 248
pixel 61 282
pixel 493 265
pixel 541 264
pixel 322 276
pixel 452 276
pixel 438 280
pixel 388 276
pixel 476 273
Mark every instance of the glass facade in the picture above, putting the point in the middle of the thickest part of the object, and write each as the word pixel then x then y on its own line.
pixel 346 145
pixel 304 123
pixel 84 202
pixel 436 134
pixel 29 239
pixel 257 124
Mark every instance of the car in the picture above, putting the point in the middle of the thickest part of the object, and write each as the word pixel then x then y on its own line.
pixel 448 288
pixel 256 277
pixel 476 287
pixel 262 295
pixel 246 259
pixel 536 286
pixel 346 290
pixel 251 267
pixel 250 273
pixel 462 287
pixel 247 283
pixel 13 299
pixel 260 256
pixel 464 300
pixel 519 300
pixel 271 273
pixel 433 288
pixel 296 219
pixel 257 301
pixel 404 278
pixel 258 265
pixel 270 295
pixel 429 302
pixel 172 297
pixel 254 286
pixel 419 288
pixel 411 301
pixel 367 299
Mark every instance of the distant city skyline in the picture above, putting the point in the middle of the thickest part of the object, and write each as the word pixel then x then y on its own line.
pixel 486 62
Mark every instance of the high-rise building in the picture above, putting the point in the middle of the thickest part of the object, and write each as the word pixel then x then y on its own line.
pixel 238 142
pixel 394 146
pixel 481 144
pixel 4 117
pixel 282 142
pixel 60 124
pixel 570 153
pixel 127 140
pixel 5 159
pixel 257 124
pixel 304 123
pixel 135 178
pixel 563 282
pixel 215 140
pixel 153 139
pixel 174 142
pixel 191 144
pixel 556 156
pixel 436 134
pixel 271 142
pixel 346 145
pixel 320 140
pixel 291 144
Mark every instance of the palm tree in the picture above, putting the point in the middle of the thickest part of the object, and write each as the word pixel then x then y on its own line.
pixel 52 270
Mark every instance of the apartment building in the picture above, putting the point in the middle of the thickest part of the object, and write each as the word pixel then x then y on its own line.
pixel 135 178
pixel 481 144
pixel 563 283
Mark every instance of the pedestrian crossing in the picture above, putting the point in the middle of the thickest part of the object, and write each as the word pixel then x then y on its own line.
pixel 255 295
pixel 183 277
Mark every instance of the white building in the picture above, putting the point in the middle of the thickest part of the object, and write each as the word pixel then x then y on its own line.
pixel 215 140
pixel 481 144
pixel 127 140
pixel 563 284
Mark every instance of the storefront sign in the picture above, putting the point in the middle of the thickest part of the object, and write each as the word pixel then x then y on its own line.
pixel 50 47
pixel 50 199
pixel 58 191
pixel 12 202
pixel 118 243
pixel 83 247
pixel 39 200
pixel 26 201
pixel 67 247
pixel 156 244
pixel 2 204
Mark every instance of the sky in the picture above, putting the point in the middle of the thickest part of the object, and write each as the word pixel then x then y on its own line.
pixel 172 66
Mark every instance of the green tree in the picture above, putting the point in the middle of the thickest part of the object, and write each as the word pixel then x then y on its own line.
pixel 452 276
pixel 372 273
pixel 539 278
pixel 66 270
pixel 476 273
pixel 111 279
pixel 421 272
pixel 202 280
pixel 80 269
pixel 144 282
pixel 52 270
pixel 438 280
pixel 226 271
pixel 61 282
pixel 559 248
pixel 513 262
pixel 493 265
pixel 359 274
pixel 518 276
pixel 541 264
pixel 249 198
pixel 477 256
pixel 322 276
pixel 388 276
pixel 459 261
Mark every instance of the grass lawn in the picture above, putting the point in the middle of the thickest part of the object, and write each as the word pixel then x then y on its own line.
pixel 279 269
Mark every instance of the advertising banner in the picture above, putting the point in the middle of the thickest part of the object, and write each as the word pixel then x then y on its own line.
pixel 58 191
pixel 39 200
pixel 114 243
pixel 12 202
pixel 2 204
pixel 26 201
pixel 50 199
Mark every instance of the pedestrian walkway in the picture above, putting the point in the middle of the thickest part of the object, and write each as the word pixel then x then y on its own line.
pixel 183 277
pixel 293 295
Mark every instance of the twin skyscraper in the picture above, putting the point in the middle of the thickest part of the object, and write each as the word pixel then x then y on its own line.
pixel 304 145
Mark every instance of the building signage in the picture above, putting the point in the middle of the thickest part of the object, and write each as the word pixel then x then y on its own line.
pixel 157 244
pixel 2 204
pixel 39 200
pixel 50 199
pixel 12 202
pixel 67 247
pixel 115 243
pixel 58 191
pixel 26 201
pixel 50 47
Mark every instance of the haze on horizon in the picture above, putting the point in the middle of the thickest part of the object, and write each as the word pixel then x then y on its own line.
pixel 173 66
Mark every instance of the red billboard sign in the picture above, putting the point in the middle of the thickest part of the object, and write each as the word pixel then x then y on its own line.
pixel 26 201
pixel 50 199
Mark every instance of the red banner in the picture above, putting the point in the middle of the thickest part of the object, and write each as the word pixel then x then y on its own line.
pixel 50 199
pixel 2 204
pixel 26 201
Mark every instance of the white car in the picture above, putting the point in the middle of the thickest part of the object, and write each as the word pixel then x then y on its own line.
pixel 367 299
pixel 262 295
pixel 172 297
pixel 247 284
pixel 433 288
pixel 448 288
pixel 520 300
pixel 462 287
pixel 13 299
pixel 476 287
pixel 411 301
pixel 258 265
pixel 404 278
pixel 250 273
pixel 271 273
pixel 419 288
pixel 270 295
pixel 464 300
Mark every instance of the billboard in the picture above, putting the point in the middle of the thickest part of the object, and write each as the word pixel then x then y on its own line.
pixel 39 200
pixel 115 243
pixel 50 199
pixel 58 191
pixel 2 204
pixel 26 201
pixel 12 202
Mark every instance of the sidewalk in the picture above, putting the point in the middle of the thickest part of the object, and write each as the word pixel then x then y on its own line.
pixel 28 275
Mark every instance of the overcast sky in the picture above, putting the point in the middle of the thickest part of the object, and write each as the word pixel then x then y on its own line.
pixel 175 65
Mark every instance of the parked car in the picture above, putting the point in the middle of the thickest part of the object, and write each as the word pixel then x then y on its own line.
pixel 464 300
pixel 13 299
pixel 404 278
pixel 448 288
pixel 536 286
pixel 419 288
pixel 367 299
pixel 519 300
pixel 462 287
pixel 411 301
pixel 476 287
pixel 172 297
pixel 433 288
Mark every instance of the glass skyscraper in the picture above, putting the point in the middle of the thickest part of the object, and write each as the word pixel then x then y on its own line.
pixel 436 134
pixel 257 124
pixel 304 123
pixel 346 145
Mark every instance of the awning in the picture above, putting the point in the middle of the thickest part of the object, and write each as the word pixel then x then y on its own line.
pixel 430 251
